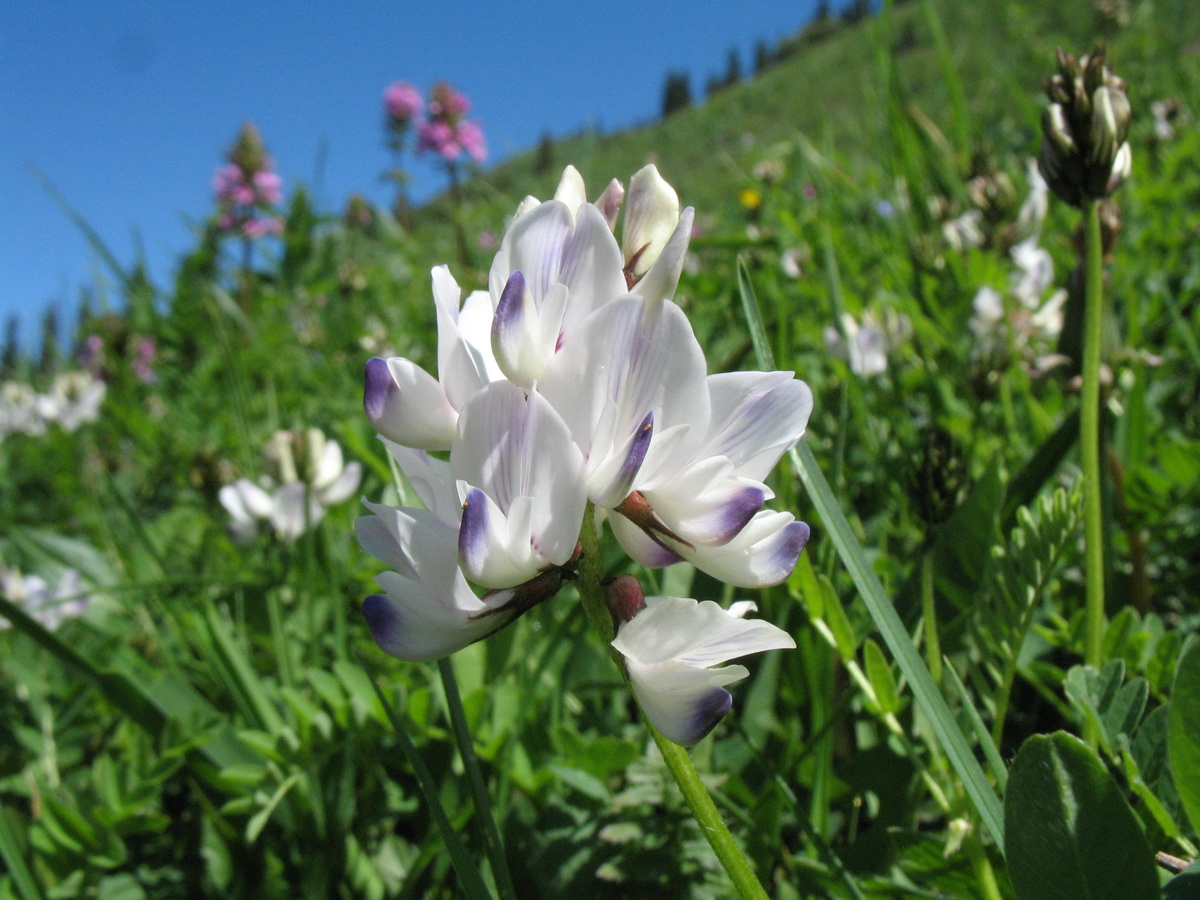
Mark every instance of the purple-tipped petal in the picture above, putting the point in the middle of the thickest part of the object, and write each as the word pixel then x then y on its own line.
pixel 707 712
pixel 378 384
pixel 472 531
pixel 736 512
pixel 385 624
pixel 763 554
pixel 506 326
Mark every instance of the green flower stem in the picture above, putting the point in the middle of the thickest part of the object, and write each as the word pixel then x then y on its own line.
pixel 1089 442
pixel 483 805
pixel 679 764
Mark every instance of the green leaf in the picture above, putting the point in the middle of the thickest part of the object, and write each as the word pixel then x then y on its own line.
pixel 1069 834
pixel 1094 690
pixel 1183 738
pixel 1185 885
pixel 879 673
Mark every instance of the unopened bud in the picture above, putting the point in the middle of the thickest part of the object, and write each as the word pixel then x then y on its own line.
pixel 624 597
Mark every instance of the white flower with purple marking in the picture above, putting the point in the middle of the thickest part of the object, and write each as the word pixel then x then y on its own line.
pixel 574 392
pixel 411 407
pixel 671 650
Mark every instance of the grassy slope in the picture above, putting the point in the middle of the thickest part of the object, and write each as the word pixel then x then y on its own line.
pixel 832 94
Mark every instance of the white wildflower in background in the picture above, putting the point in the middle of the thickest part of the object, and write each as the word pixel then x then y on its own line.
pixel 299 499
pixel 576 379
pixel 74 399
pixel 49 605
pixel 866 344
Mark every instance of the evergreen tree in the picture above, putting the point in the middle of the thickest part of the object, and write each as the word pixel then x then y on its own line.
pixel 677 93
pixel 11 360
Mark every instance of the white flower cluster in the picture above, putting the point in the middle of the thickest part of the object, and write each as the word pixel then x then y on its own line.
pixel 73 399
pixel 299 500
pixel 49 606
pixel 575 379
pixel 1032 319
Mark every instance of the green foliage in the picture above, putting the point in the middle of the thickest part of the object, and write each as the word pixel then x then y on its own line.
pixel 211 727
pixel 1184 732
pixel 1068 830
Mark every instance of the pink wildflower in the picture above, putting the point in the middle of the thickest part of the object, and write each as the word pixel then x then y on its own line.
pixel 403 103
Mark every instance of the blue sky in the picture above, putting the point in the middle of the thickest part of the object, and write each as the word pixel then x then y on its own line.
pixel 127 107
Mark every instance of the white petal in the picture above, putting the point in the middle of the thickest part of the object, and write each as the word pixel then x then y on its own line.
pixel 431 479
pixel 662 278
pixel 756 417
pixel 343 488
pixel 516 450
pixel 651 215
pixel 408 405
pixel 707 503
pixel 763 553
pixel 684 703
pixel 571 190
pixel 294 510
pixel 679 629
pixel 463 363
pixel 330 464
pixel 256 501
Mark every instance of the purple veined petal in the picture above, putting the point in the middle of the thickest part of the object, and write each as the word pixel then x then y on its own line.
pixel 430 478
pixel 627 359
pixel 682 702
pixel 510 325
pixel 343 487
pixel 707 503
pixel 495 549
pixel 591 266
pixel 525 483
pixel 533 245
pixel 763 553
pixel 406 404
pixel 612 480
pixel 640 546
pixel 662 278
pixel 524 334
pixel 756 417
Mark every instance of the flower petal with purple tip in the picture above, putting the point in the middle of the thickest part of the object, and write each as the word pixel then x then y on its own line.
pixel 670 648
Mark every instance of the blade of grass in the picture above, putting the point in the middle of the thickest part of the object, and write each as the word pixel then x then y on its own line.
pixel 468 874
pixel 880 607
pixel 483 804
pixel 149 702
pixel 14 862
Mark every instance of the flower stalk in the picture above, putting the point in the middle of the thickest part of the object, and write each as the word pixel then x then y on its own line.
pixel 679 764
pixel 1089 439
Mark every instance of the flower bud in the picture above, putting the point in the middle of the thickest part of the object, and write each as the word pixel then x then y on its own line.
pixel 1085 155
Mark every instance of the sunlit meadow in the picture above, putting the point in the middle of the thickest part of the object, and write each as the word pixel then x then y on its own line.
pixel 797 496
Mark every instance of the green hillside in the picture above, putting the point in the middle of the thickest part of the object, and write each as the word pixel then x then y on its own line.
pixel 834 91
